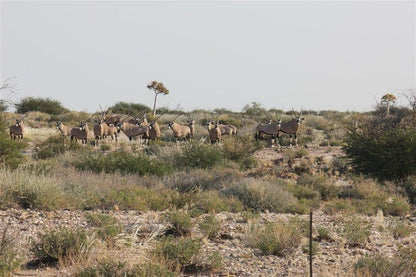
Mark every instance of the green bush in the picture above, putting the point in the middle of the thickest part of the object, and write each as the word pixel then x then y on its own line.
pixel 45 105
pixel 133 109
pixel 107 226
pixel 181 223
pixel 357 232
pixel 389 155
pixel 399 229
pixel 54 146
pixel 319 183
pixel 375 265
pixel 261 196
pixel 275 238
pixel 9 257
pixel 178 253
pixel 324 234
pixel 62 246
pixel 210 226
pixel 197 155
pixel 118 269
pixel 123 162
pixel 10 150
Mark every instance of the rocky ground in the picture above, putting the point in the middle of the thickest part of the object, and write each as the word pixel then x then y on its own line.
pixel 334 258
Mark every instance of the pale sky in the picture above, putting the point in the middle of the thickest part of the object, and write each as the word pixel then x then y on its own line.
pixel 315 55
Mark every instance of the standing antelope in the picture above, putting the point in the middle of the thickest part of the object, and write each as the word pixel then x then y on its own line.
pixel 179 131
pixel 80 132
pixel 191 125
pixel 272 129
pixel 225 129
pixel 64 130
pixel 100 130
pixel 154 131
pixel 17 130
pixel 291 128
pixel 109 118
pixel 214 132
pixel 133 130
pixel 112 131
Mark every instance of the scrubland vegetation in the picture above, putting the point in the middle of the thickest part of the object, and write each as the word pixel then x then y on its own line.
pixel 373 171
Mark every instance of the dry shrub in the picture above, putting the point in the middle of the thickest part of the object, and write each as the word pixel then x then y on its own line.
pixel 63 246
pixel 9 256
pixel 259 196
pixel 279 238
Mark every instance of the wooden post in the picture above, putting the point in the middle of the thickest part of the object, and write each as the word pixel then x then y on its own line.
pixel 310 243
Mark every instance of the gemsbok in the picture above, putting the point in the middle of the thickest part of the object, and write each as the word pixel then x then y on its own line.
pixel 81 132
pixel 272 129
pixel 191 125
pixel 179 131
pixel 133 130
pixel 100 130
pixel 17 130
pixel 225 129
pixel 214 132
pixel 291 127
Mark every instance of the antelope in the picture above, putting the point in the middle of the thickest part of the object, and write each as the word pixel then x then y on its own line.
pixel 80 132
pixel 214 133
pixel 225 129
pixel 109 118
pixel 179 131
pixel 17 130
pixel 64 130
pixel 291 128
pixel 272 129
pixel 154 132
pixel 112 131
pixel 100 130
pixel 133 130
pixel 191 125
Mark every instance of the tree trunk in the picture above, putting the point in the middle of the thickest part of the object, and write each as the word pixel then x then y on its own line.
pixel 154 104
pixel 388 108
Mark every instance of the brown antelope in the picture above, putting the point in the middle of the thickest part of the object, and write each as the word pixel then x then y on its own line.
pixel 214 133
pixel 179 131
pixel 17 130
pixel 80 133
pixel 191 125
pixel 291 127
pixel 225 129
pixel 64 130
pixel 133 130
pixel 272 129
pixel 112 132
pixel 109 118
pixel 100 130
pixel 154 132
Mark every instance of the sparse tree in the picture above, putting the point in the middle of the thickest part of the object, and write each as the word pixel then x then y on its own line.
pixel 6 86
pixel 158 88
pixel 387 100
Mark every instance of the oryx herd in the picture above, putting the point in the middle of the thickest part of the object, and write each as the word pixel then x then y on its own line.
pixel 109 125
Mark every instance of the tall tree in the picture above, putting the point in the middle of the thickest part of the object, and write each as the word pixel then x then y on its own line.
pixel 158 88
pixel 388 99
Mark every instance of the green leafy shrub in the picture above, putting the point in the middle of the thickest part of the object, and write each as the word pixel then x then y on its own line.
pixel 374 265
pixel 62 246
pixel 197 155
pixel 10 150
pixel 45 105
pixel 279 239
pixel 107 226
pixel 319 183
pixel 181 223
pixel 389 155
pixel 324 234
pixel 123 162
pixel 9 257
pixel 210 226
pixel 261 196
pixel 119 269
pixel 54 146
pixel 178 253
pixel 399 229
pixel 357 232
pixel 130 108
pixel 240 151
